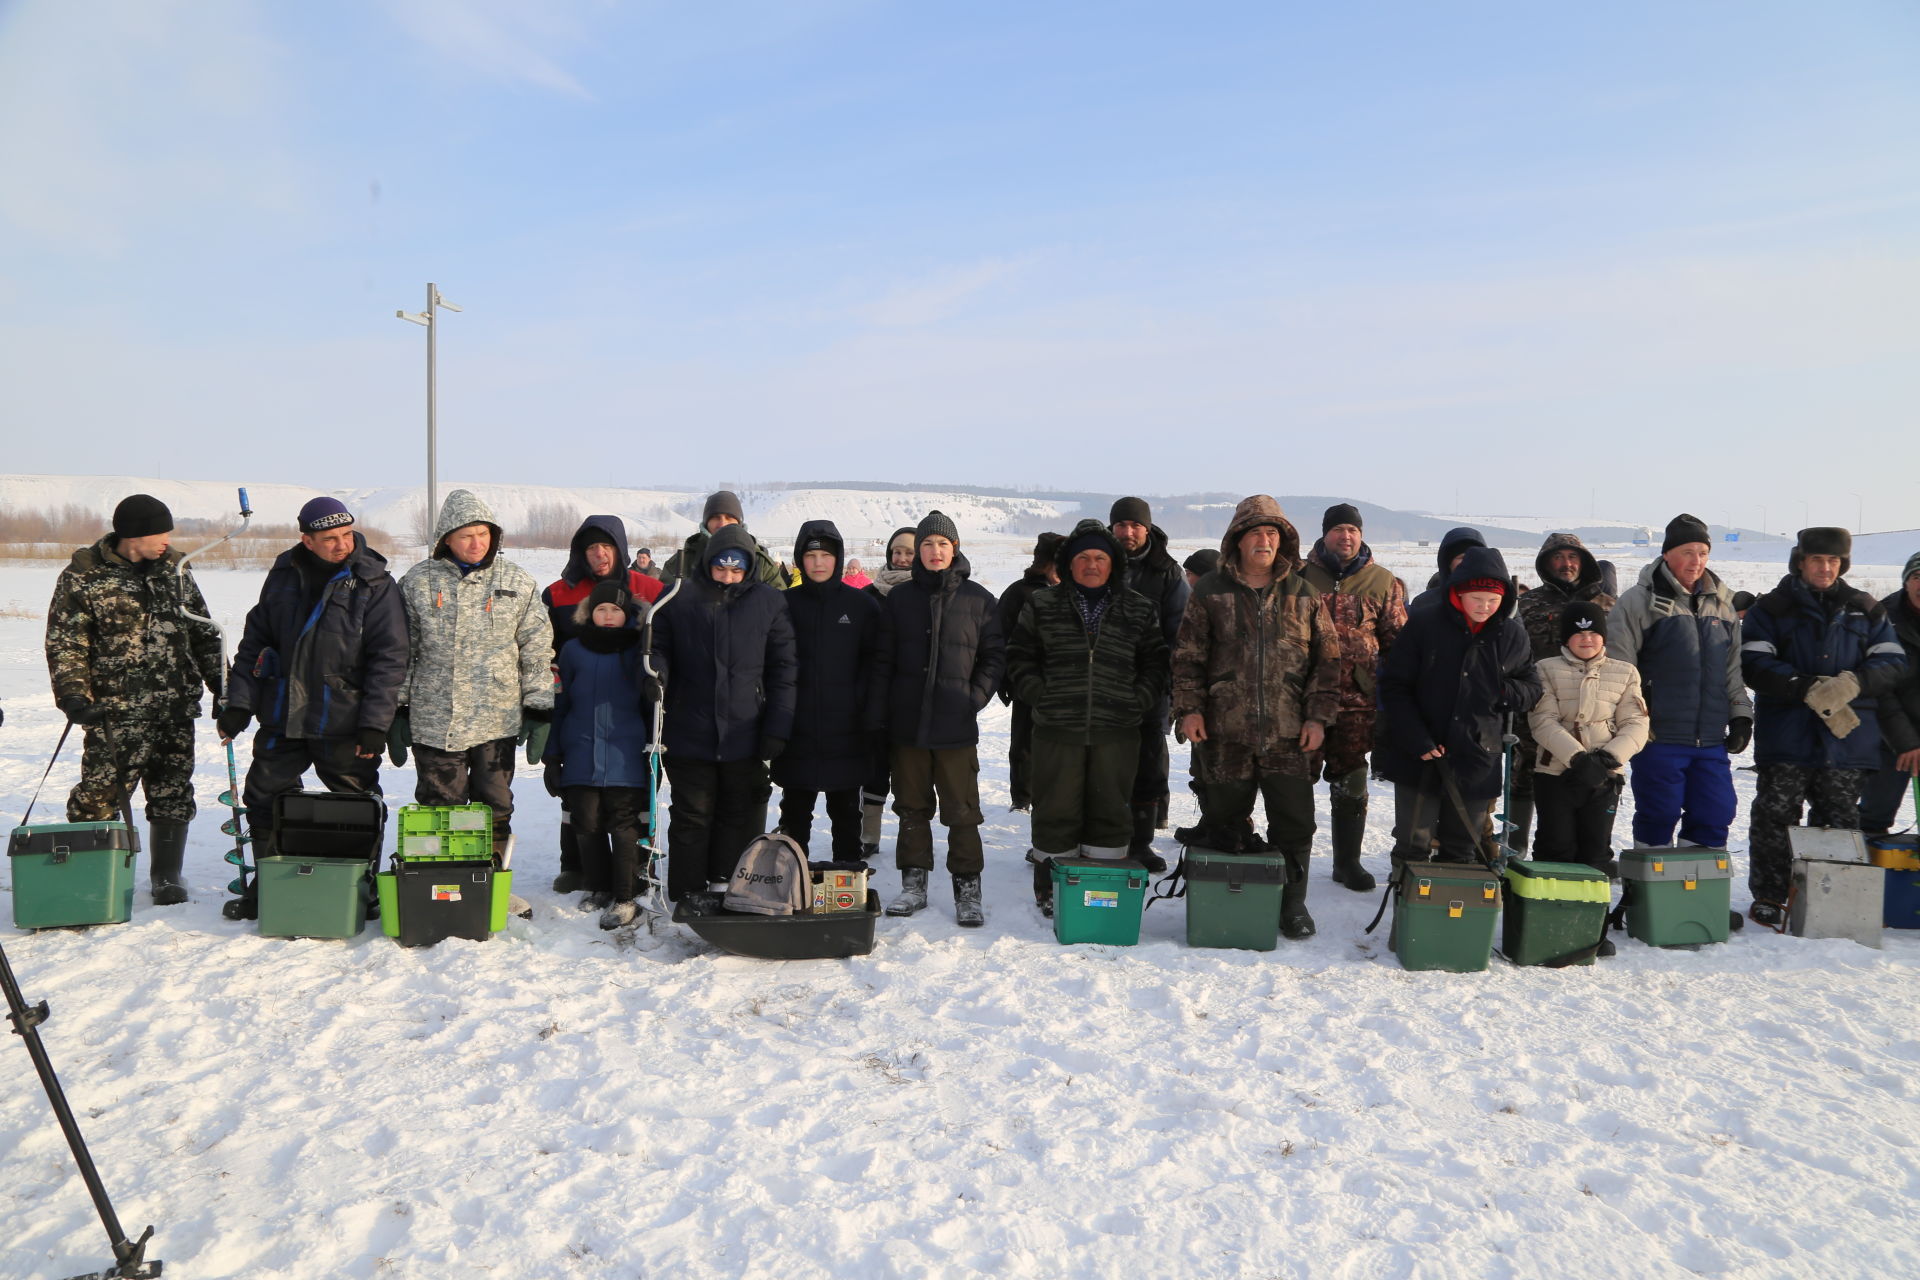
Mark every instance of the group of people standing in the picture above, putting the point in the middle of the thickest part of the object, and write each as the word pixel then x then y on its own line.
pixel 1277 667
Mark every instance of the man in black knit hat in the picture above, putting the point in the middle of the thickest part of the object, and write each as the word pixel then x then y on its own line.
pixel 1153 573
pixel 128 665
pixel 722 509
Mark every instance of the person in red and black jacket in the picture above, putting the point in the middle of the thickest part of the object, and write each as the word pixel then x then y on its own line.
pixel 597 554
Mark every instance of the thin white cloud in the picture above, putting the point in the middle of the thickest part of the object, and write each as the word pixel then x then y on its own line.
pixel 508 40
pixel 937 296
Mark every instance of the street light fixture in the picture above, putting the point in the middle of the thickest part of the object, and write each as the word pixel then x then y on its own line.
pixel 429 318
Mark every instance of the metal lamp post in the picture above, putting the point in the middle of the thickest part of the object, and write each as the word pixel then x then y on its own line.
pixel 430 318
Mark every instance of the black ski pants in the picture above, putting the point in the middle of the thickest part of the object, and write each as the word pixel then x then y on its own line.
pixel 279 764
pixel 716 810
pixel 480 774
pixel 1081 796
pixel 843 819
pixel 608 822
pixel 953 775
pixel 1020 756
pixel 1574 824
pixel 1423 815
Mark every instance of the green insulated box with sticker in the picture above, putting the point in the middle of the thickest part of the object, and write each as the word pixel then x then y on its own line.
pixel 316 882
pixel 1098 900
pixel 1443 916
pixel 68 873
pixel 1556 913
pixel 1233 899
pixel 422 902
pixel 1676 897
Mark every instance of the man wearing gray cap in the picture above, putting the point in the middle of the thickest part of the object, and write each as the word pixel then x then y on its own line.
pixel 722 509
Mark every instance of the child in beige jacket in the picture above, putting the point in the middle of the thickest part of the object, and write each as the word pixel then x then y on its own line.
pixel 1590 720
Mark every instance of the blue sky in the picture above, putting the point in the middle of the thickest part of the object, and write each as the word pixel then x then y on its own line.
pixel 1670 252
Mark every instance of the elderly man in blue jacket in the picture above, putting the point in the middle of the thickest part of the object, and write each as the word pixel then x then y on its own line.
pixel 1818 654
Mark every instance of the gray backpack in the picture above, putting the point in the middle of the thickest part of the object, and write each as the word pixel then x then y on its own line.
pixel 771 878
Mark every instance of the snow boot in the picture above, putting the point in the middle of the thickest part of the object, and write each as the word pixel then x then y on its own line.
pixel 1140 848
pixel 596 901
pixel 1606 947
pixel 868 851
pixel 1349 824
pixel 568 881
pixel 1295 923
pixel 1770 915
pixel 967 912
pixel 913 892
pixel 1043 888
pixel 618 914
pixel 168 849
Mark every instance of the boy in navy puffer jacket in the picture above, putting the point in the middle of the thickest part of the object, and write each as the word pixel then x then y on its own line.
pixel 597 754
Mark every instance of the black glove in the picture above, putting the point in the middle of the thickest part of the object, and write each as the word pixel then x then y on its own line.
pixel 649 690
pixel 542 715
pixel 551 776
pixel 1587 771
pixel 81 710
pixel 371 742
pixel 233 722
pixel 771 747
pixel 1739 734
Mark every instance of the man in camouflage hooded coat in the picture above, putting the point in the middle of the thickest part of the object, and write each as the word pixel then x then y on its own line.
pixel 479 677
pixel 1568 574
pixel 128 665
pixel 1256 678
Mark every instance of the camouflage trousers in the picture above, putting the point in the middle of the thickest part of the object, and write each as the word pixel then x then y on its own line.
pixel 155 754
pixel 1237 775
pixel 1832 798
pixel 1349 739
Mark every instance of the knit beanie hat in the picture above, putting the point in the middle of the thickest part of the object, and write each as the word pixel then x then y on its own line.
pixel 1088 541
pixel 609 592
pixel 1913 567
pixel 595 533
pixel 729 558
pixel 724 503
pixel 936 525
pixel 1744 599
pixel 141 515
pixel 1494 585
pixel 324 513
pixel 1045 545
pixel 1582 615
pixel 1130 510
pixel 1338 514
pixel 1202 562
pixel 1683 529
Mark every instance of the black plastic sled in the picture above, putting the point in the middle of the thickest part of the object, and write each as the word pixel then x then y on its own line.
pixel 810 935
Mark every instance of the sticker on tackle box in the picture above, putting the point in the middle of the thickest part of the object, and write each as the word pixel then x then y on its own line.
pixel 1102 899
pixel 446 893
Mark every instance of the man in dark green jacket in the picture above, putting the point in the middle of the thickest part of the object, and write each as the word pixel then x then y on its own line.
pixel 723 508
pixel 1088 656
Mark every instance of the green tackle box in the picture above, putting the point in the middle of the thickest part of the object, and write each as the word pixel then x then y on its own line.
pixel 448 832
pixel 422 902
pixel 1443 916
pixel 310 897
pixel 1098 899
pixel 1677 897
pixel 69 873
pixel 1556 913
pixel 1233 899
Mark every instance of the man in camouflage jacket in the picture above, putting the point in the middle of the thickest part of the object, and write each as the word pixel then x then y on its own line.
pixel 480 675
pixel 1568 573
pixel 1256 679
pixel 128 664
pixel 1367 606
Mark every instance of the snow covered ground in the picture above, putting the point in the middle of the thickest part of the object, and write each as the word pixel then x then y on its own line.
pixel 563 1102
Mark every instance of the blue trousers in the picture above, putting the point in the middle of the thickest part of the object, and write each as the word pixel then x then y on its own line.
pixel 1692 786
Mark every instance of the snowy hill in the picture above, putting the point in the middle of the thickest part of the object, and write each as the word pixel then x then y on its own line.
pixel 661 515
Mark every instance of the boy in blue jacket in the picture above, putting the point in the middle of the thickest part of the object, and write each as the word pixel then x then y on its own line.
pixel 597 754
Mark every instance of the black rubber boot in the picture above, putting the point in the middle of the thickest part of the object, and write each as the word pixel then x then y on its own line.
pixel 1043 889
pixel 1349 824
pixel 167 841
pixel 967 911
pixel 1140 847
pixel 912 897
pixel 1295 922
pixel 569 880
